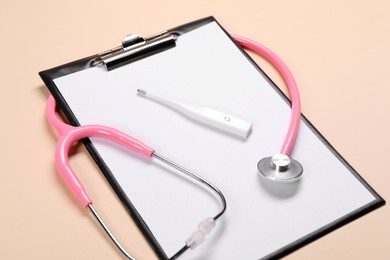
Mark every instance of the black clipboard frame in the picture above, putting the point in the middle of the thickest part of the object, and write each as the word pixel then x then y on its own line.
pixel 48 77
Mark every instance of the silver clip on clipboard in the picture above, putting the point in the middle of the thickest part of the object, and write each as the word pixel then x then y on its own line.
pixel 135 48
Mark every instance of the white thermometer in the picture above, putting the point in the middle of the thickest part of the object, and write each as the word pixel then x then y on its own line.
pixel 208 116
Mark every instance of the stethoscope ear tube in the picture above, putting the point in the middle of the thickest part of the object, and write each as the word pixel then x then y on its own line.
pixel 109 233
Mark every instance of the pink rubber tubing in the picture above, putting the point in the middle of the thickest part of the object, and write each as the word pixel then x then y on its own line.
pixel 69 134
pixel 290 82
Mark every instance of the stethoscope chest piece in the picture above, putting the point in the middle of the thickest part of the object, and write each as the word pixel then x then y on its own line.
pixel 280 168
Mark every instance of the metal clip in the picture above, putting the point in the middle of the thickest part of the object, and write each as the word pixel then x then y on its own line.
pixel 135 48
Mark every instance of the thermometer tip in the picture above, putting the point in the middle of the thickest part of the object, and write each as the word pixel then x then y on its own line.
pixel 141 92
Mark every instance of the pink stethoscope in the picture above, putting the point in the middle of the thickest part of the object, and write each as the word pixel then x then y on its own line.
pixel 279 167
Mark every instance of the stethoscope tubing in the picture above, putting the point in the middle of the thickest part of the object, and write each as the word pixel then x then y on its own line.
pixel 282 68
pixel 69 134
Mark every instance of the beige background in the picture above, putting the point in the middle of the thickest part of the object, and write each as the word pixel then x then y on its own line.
pixel 339 52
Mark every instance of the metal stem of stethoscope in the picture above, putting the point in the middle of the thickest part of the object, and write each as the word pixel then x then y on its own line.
pixel 186 172
pixel 200 180
pixel 197 178
pixel 108 232
pixel 280 167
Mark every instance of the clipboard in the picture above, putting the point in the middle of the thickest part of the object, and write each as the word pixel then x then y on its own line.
pixel 251 94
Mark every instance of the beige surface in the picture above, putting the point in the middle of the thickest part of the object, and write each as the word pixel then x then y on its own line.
pixel 338 50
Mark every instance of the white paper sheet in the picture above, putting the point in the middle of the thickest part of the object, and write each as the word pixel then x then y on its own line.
pixel 207 68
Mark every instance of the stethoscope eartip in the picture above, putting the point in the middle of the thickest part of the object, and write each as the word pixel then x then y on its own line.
pixel 280 168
